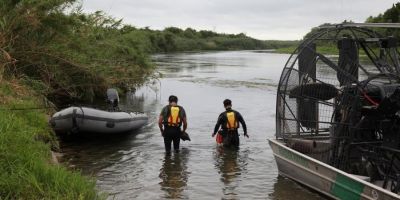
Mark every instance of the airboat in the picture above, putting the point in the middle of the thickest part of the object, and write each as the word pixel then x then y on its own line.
pixel 338 116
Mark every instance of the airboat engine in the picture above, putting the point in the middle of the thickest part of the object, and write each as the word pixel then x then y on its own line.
pixel 112 99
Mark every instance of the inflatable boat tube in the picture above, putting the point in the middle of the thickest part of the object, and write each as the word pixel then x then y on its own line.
pixel 89 120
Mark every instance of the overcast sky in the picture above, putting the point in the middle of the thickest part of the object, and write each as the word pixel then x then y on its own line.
pixel 261 19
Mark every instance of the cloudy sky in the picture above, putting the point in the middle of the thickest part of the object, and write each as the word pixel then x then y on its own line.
pixel 262 19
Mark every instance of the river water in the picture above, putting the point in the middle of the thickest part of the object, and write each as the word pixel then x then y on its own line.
pixel 134 166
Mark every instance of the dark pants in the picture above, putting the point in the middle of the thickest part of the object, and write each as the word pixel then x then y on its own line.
pixel 172 134
pixel 231 138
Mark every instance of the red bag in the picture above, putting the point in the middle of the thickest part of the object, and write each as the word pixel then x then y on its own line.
pixel 219 138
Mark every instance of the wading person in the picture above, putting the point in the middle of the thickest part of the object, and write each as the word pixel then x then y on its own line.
pixel 171 119
pixel 229 123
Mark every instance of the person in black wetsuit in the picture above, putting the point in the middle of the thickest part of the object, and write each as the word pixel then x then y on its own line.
pixel 229 122
pixel 170 121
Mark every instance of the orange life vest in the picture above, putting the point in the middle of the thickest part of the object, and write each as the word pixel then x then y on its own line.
pixel 173 118
pixel 232 123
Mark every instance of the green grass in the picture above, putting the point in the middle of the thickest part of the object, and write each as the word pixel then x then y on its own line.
pixel 324 49
pixel 286 49
pixel 25 159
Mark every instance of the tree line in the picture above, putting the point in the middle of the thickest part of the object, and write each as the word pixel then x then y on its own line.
pixel 68 55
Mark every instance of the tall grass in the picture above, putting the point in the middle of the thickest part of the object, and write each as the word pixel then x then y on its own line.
pixel 69 55
pixel 25 160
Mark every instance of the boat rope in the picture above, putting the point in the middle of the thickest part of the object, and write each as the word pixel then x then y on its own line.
pixel 83 112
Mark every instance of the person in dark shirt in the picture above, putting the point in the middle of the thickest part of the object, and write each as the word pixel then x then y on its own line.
pixel 170 121
pixel 229 123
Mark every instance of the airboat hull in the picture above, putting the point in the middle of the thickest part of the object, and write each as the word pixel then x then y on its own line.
pixel 90 122
pixel 323 178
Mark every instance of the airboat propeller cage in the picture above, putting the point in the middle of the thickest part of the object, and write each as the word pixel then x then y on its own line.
pixel 348 60
pixel 305 73
pixel 307 109
pixel 344 109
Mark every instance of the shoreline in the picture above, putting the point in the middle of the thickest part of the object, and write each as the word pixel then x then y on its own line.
pixel 30 164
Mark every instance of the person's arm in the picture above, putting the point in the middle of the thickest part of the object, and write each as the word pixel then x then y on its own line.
pixel 161 120
pixel 184 124
pixel 241 120
pixel 217 125
pixel 184 119
pixel 160 125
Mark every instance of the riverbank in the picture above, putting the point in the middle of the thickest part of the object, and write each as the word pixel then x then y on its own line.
pixel 26 141
pixel 327 49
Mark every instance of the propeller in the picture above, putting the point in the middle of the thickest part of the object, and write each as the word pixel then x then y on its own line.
pixel 320 91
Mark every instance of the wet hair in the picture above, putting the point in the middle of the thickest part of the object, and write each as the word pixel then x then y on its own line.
pixel 227 102
pixel 173 98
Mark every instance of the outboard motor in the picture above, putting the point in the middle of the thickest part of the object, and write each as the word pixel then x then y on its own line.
pixel 112 99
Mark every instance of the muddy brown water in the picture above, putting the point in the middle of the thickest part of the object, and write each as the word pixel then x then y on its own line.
pixel 134 166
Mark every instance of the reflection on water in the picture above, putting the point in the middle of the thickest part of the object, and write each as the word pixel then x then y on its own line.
pixel 174 174
pixel 93 155
pixel 261 84
pixel 227 164
pixel 284 189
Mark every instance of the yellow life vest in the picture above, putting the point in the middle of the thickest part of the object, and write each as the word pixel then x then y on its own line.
pixel 173 118
pixel 232 123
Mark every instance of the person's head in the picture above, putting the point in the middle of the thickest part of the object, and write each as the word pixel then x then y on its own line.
pixel 173 99
pixel 227 103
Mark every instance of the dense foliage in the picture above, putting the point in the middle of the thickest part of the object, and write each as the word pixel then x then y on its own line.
pixel 71 56
pixel 391 15
pixel 64 53
pixel 173 39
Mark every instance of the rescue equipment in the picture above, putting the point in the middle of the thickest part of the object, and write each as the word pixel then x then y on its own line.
pixel 232 123
pixel 219 139
pixel 93 122
pixel 185 136
pixel 173 118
